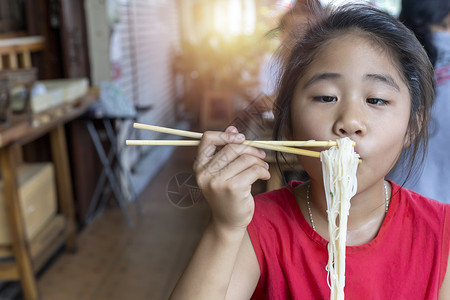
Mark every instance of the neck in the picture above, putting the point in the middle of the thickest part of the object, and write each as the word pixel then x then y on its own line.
pixel 367 212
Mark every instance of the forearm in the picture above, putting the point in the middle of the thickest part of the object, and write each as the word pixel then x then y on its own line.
pixel 225 178
pixel 208 274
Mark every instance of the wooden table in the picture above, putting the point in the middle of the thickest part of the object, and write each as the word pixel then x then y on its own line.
pixel 29 256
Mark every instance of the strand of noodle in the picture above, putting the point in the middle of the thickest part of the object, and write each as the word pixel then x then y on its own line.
pixel 339 165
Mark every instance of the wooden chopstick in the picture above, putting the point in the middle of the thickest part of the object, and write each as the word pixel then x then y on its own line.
pixel 249 143
pixel 185 133
pixel 281 146
pixel 162 143
pixel 198 135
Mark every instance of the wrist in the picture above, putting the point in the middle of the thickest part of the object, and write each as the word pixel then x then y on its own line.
pixel 226 233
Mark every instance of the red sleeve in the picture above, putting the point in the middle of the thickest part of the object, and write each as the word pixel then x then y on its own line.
pixel 253 231
pixel 445 244
pixel 260 231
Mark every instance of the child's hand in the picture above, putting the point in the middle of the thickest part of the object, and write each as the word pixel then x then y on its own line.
pixel 226 177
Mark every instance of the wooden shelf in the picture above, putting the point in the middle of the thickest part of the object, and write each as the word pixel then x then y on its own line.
pixel 42 247
pixel 9 271
pixel 27 257
pixel 37 125
pixel 48 241
pixel 30 43
pixel 17 51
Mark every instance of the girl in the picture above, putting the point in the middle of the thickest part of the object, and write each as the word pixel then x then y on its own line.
pixel 358 73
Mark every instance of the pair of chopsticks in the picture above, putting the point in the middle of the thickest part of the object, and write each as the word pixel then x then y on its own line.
pixel 281 146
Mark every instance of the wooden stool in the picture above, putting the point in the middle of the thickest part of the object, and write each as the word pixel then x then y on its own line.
pixel 216 111
pixel 17 77
pixel 23 258
pixel 15 53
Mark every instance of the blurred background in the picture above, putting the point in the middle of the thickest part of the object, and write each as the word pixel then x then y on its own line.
pixel 82 216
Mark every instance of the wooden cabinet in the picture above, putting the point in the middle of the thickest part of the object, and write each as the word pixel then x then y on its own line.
pixel 37 193
pixel 27 257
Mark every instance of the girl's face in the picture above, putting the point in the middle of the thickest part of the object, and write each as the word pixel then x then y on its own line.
pixel 353 89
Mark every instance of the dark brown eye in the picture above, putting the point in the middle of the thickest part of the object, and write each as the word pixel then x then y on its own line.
pixel 325 99
pixel 376 101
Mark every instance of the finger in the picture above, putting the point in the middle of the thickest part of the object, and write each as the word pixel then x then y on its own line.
pixel 231 129
pixel 240 164
pixel 247 177
pixel 229 154
pixel 209 143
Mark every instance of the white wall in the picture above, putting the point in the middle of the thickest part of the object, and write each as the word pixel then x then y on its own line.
pixel 98 40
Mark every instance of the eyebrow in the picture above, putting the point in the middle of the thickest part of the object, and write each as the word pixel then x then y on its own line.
pixel 320 77
pixel 384 78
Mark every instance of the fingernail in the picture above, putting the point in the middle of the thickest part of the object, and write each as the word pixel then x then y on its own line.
pixel 267 166
pixel 262 153
pixel 240 137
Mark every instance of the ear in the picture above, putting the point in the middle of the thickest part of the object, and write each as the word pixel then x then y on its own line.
pixel 407 140
pixel 411 135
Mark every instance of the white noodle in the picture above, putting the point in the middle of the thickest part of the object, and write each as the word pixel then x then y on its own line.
pixel 339 165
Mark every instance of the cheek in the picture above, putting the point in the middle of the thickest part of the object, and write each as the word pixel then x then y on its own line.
pixel 395 132
pixel 389 151
pixel 386 145
pixel 308 125
pixel 312 166
pixel 399 144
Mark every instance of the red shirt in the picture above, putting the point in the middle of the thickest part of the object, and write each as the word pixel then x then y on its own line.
pixel 406 260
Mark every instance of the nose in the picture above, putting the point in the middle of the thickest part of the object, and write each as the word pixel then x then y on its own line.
pixel 350 122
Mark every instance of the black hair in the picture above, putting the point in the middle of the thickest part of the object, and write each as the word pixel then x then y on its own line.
pixel 407 54
pixel 419 16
